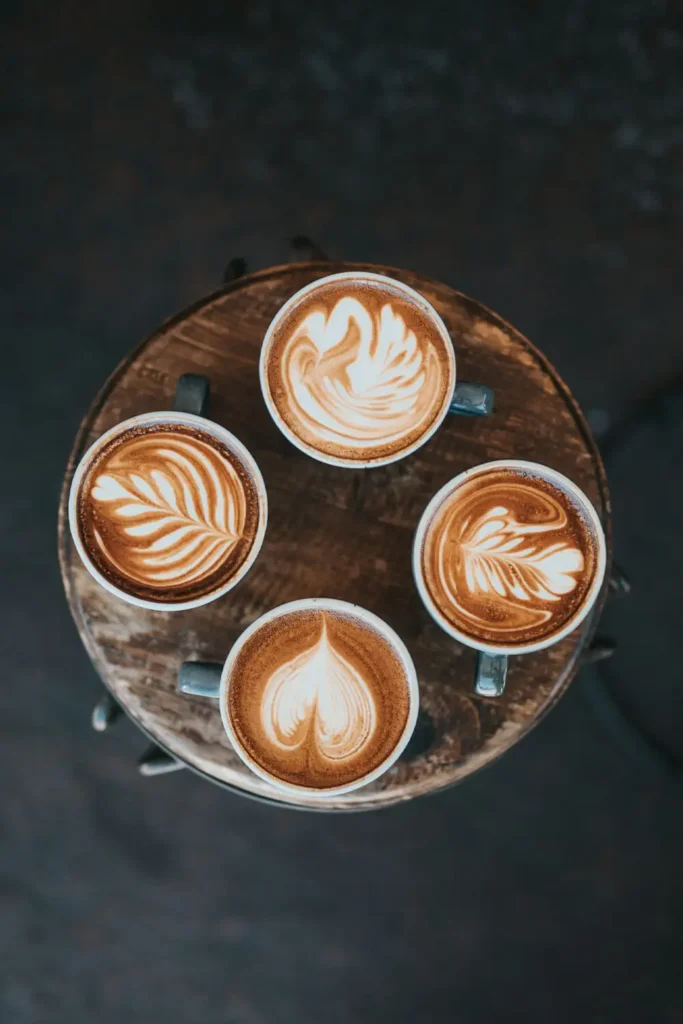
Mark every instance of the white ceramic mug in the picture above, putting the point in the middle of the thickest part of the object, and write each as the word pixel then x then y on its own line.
pixel 492 660
pixel 190 404
pixel 209 679
pixel 462 398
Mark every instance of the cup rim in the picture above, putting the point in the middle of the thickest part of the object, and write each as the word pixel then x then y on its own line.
pixel 345 608
pixel 308 449
pixel 182 419
pixel 561 481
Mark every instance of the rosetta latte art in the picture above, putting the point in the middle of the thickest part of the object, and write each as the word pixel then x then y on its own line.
pixel 355 379
pixel 500 558
pixel 168 510
pixel 504 560
pixel 319 699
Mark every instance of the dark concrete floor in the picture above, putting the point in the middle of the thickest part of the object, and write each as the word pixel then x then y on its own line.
pixel 530 154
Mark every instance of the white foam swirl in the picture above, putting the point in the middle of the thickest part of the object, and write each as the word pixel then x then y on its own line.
pixel 319 699
pixel 500 573
pixel 354 379
pixel 500 560
pixel 169 510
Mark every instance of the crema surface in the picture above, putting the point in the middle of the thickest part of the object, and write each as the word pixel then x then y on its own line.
pixel 358 371
pixel 318 698
pixel 168 512
pixel 508 558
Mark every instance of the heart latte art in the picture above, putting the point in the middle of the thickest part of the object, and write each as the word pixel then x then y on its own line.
pixel 357 371
pixel 168 512
pixel 508 558
pixel 317 698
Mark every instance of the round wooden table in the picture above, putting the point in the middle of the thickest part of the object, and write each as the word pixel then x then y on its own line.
pixel 335 533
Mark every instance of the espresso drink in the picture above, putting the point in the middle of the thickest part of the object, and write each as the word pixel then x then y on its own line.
pixel 508 558
pixel 167 512
pixel 318 698
pixel 358 370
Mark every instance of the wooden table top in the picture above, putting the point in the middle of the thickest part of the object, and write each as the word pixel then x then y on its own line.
pixel 333 533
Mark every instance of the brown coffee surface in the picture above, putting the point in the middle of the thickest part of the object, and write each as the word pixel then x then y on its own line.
pixel 358 371
pixel 317 698
pixel 508 558
pixel 168 512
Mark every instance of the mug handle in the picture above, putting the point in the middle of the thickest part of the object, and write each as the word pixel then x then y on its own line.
pixel 490 673
pixel 200 679
pixel 192 394
pixel 471 399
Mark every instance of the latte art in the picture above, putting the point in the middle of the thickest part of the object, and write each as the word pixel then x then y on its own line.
pixel 508 558
pixel 356 371
pixel 318 698
pixel 185 516
pixel 168 510
pixel 500 558
pixel 356 381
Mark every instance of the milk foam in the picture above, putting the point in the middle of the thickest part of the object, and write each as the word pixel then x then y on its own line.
pixel 167 509
pixel 359 370
pixel 506 558
pixel 318 698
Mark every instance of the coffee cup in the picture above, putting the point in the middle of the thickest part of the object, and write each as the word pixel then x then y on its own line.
pixel 318 697
pixel 358 370
pixel 508 558
pixel 168 510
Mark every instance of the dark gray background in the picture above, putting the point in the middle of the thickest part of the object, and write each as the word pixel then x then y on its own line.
pixel 527 153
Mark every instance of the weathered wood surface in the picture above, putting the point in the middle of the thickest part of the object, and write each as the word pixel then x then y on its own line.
pixel 332 532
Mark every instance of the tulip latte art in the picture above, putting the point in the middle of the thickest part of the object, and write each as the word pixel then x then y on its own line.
pixel 168 512
pixel 508 558
pixel 358 371
pixel 318 698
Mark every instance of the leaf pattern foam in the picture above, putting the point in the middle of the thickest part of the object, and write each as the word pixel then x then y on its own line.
pixel 174 518
pixel 497 567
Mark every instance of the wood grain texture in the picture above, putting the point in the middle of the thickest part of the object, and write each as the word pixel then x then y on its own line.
pixel 334 533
